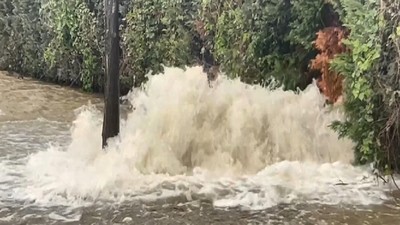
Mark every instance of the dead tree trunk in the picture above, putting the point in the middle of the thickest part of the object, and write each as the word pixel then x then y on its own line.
pixel 111 91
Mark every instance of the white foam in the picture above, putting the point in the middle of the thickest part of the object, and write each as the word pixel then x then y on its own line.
pixel 2 113
pixel 236 144
pixel 7 218
pixel 73 218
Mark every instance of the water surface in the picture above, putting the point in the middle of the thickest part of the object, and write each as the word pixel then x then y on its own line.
pixel 187 154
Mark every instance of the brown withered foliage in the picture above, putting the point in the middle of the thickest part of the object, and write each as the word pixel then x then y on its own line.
pixel 329 43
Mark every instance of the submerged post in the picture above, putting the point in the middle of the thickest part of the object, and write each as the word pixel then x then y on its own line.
pixel 111 91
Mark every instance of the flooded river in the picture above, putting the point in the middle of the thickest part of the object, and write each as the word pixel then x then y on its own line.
pixel 187 154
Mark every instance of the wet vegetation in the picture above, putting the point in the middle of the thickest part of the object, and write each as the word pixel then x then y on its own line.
pixel 350 46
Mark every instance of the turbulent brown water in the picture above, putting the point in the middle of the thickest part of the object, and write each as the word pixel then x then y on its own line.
pixel 187 154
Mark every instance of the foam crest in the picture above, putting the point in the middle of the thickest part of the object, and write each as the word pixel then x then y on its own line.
pixel 237 144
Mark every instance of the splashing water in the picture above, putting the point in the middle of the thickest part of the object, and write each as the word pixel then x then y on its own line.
pixel 235 144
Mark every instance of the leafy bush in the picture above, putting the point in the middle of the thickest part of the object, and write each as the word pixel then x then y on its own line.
pixel 256 40
pixel 20 36
pixel 159 33
pixel 359 67
pixel 371 71
pixel 388 88
pixel 74 49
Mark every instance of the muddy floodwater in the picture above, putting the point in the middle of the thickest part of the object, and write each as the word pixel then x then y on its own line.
pixel 187 154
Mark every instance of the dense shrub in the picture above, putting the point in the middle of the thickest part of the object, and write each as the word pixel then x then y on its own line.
pixel 371 71
pixel 359 68
pixel 258 40
pixel 159 33
pixel 388 88
pixel 62 41
pixel 20 37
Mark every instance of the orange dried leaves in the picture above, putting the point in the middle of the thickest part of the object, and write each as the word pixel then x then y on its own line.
pixel 329 43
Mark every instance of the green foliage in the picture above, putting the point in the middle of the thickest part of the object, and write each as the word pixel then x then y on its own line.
pixel 159 33
pixel 359 68
pixel 54 40
pixel 179 32
pixel 141 39
pixel 388 87
pixel 256 40
pixel 305 19
pixel 260 40
pixel 20 36
pixel 74 47
pixel 6 32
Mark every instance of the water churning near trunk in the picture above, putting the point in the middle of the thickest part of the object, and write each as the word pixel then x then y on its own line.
pixel 236 144
pixel 180 123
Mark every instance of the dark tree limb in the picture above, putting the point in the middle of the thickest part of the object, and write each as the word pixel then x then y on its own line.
pixel 111 91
